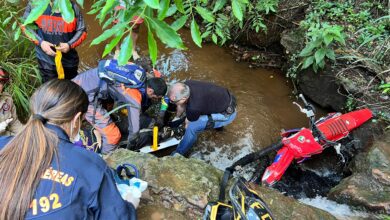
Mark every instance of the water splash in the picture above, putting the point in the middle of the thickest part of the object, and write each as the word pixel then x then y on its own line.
pixel 223 157
pixel 340 211
pixel 176 61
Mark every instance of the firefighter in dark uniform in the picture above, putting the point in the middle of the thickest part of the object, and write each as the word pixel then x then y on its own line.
pixel 44 175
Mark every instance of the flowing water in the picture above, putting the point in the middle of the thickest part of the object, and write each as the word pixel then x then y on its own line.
pixel 264 96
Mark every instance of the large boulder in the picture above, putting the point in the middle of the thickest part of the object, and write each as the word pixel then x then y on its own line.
pixel 288 15
pixel 369 185
pixel 180 188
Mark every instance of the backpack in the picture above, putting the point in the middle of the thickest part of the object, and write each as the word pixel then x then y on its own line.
pixel 130 75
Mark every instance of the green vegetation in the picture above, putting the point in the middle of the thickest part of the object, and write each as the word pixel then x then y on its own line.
pixel 17 58
pixel 219 17
pixel 328 25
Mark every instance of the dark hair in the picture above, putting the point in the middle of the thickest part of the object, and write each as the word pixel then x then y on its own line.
pixel 158 85
pixel 145 63
pixel 26 157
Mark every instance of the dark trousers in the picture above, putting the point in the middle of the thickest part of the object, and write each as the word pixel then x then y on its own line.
pixel 49 72
pixel 70 73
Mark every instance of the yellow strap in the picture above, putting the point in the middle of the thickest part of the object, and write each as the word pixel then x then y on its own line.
pixel 60 69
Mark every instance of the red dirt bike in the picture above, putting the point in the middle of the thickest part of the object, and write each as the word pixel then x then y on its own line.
pixel 300 144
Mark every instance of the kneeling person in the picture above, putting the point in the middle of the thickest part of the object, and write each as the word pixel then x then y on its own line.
pixel 206 105
pixel 99 86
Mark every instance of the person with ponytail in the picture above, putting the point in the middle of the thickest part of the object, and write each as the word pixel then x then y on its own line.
pixel 43 175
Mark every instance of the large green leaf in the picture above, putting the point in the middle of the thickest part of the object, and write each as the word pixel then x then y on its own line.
pixel 307 50
pixel 108 33
pixel 195 33
pixel 109 4
pixel 206 14
pixel 179 5
pixel 172 10
pixel 6 21
pixel 237 10
pixel 179 23
pixel 166 34
pixel 319 55
pixel 38 8
pixel 219 5
pixel 330 54
pixel 152 3
pixel 17 34
pixel 328 38
pixel 152 44
pixel 308 61
pixel 126 50
pixel 164 6
pixel 66 10
pixel 112 44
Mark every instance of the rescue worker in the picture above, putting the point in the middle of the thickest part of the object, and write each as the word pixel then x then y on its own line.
pixel 206 106
pixel 9 123
pixel 53 33
pixel 99 89
pixel 43 175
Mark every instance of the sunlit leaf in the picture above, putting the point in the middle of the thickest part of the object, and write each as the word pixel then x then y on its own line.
pixel 81 3
pixel 108 48
pixel 195 33
pixel 17 34
pixel 109 4
pixel 172 10
pixel 319 55
pixel 166 34
pixel 206 14
pixel 164 5
pixel 66 10
pixel 308 61
pixel 152 3
pixel 306 51
pixel 6 21
pixel 214 38
pixel 152 44
pixel 108 33
pixel 36 11
pixel 179 5
pixel 179 23
pixel 237 10
pixel 126 50
pixel 219 5
pixel 330 54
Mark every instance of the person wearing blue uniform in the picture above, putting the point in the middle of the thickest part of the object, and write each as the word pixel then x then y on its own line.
pixel 43 175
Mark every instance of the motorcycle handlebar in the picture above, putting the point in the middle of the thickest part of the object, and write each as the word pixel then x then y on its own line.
pixel 303 99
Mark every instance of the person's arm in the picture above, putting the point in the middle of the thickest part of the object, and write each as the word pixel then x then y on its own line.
pixel 180 109
pixel 38 40
pixel 108 203
pixel 81 30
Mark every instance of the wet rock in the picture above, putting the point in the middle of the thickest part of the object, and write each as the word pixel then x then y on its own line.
pixel 369 185
pixel 323 88
pixel 180 188
pixel 287 16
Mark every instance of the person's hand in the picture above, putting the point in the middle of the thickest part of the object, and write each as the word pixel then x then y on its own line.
pixel 132 199
pixel 4 124
pixel 46 47
pixel 186 123
pixel 63 47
